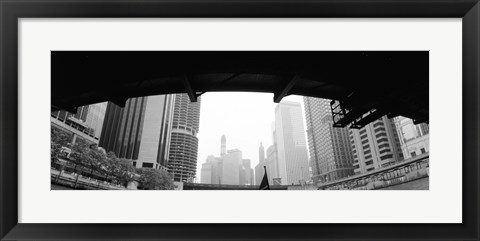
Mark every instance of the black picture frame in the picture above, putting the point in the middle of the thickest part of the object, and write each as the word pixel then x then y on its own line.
pixel 12 10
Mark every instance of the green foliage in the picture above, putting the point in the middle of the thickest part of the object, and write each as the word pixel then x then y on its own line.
pixel 60 137
pixel 58 140
pixel 153 179
pixel 121 169
pixel 90 158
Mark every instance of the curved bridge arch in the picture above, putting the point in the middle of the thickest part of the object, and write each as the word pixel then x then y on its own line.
pixel 365 84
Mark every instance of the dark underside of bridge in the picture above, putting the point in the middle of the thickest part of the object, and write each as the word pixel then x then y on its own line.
pixel 364 85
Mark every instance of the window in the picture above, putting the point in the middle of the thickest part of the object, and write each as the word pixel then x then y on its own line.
pixel 150 165
pixel 377 124
pixel 370 169
pixel 386 157
pixel 364 142
pixel 382 140
pixel 385 150
pixel 369 163
pixel 413 154
pixel 380 135
pixel 367 151
pixel 383 146
pixel 379 129
pixel 422 150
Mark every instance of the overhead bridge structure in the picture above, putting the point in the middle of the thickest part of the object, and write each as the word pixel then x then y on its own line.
pixel 363 85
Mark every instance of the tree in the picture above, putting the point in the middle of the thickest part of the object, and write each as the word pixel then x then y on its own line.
pixel 124 171
pixel 153 179
pixel 88 156
pixel 58 140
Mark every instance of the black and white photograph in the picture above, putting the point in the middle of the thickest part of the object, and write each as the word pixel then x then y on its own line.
pixel 240 120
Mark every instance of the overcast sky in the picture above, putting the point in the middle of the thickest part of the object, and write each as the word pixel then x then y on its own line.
pixel 244 118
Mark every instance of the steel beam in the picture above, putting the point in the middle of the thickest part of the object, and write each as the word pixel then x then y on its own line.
pixel 278 96
pixel 188 88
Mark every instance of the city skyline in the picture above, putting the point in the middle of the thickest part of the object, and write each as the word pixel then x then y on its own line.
pixel 224 113
pixel 413 138
pixel 142 134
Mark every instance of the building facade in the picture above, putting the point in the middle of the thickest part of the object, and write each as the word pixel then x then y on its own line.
pixel 291 145
pixel 211 172
pixel 86 123
pixel 246 173
pixel 230 168
pixel 414 139
pixel 223 146
pixel 331 156
pixel 259 171
pixel 140 131
pixel 232 163
pixel 376 145
pixel 184 142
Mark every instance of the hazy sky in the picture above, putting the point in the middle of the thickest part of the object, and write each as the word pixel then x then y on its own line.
pixel 244 118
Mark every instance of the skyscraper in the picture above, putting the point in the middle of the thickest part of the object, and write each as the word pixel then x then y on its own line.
pixel 223 146
pixel 211 172
pixel 259 171
pixel 291 144
pixel 232 163
pixel 246 173
pixel 374 146
pixel 331 155
pixel 86 123
pixel 184 142
pixel 140 131
pixel 414 139
pixel 270 162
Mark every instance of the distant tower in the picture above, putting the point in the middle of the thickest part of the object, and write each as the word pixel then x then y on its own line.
pixel 223 147
pixel 261 153
pixel 259 171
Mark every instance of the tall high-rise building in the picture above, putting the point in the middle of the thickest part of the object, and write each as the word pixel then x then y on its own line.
pixel 246 173
pixel 229 169
pixel 270 163
pixel 86 123
pixel 291 144
pixel 261 153
pixel 331 156
pixel 211 172
pixel 140 131
pixel 232 163
pixel 259 170
pixel 414 139
pixel 374 146
pixel 182 162
pixel 223 146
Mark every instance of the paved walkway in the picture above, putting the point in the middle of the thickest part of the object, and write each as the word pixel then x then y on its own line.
pixel 420 184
